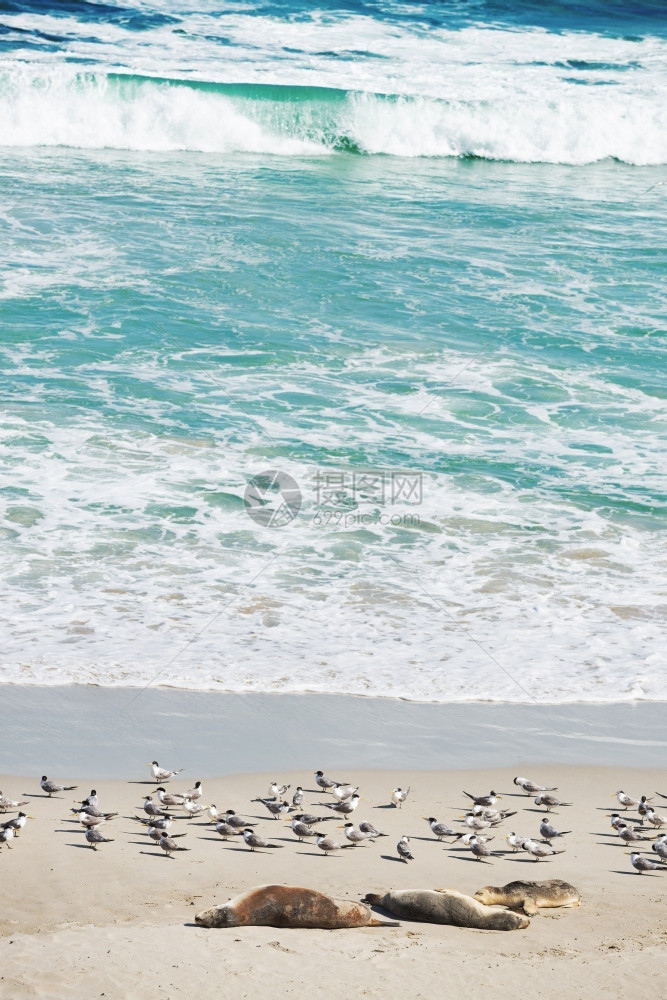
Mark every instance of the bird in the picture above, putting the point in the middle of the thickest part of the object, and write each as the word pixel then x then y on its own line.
pixel 531 788
pixel 656 818
pixel 440 829
pixel 479 848
pixel 326 843
pixel 155 833
pixel 6 803
pixel 342 792
pixel 94 837
pixel 300 829
pixel 355 836
pixel 629 835
pixel 476 822
pixel 367 827
pixel 617 820
pixel 92 811
pixel 152 808
pixel 238 821
pixel 297 798
pixel 643 808
pixel 484 800
pixel 161 773
pixel 91 800
pixel 51 787
pixel 85 819
pixel 345 807
pixel 254 841
pixel 642 865
pixel 325 783
pixel 169 798
pixel 277 791
pixel 549 801
pixel 625 800
pixel 169 845
pixel 275 808
pixel 549 832
pixel 399 795
pixel 158 822
pixel 213 813
pixel 466 838
pixel 6 834
pixel 194 808
pixel 194 794
pixel 403 849
pixel 660 847
pixel 492 816
pixel 311 820
pixel 17 823
pixel 226 830
pixel 515 842
pixel 539 850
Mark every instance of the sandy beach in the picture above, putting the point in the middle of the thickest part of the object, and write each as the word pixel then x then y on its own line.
pixel 119 921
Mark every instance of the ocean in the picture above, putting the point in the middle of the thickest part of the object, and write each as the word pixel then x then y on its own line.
pixel 332 347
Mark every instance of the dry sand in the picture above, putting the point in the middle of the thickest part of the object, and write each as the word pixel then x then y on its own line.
pixel 118 922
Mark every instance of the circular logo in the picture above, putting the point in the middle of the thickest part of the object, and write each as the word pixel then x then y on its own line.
pixel 272 498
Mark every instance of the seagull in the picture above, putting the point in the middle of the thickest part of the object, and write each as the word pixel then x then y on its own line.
pixel 300 829
pixel 342 792
pixel 325 783
pixel 539 850
pixel 655 818
pixel 7 803
pixel 642 865
pixel 17 823
pixel 549 801
pixel 95 837
pixel 355 836
pixel 399 795
pixel 326 844
pixel 367 827
pixel 515 842
pixel 238 821
pixel 225 830
pixel 277 791
pixel 484 800
pixel 194 793
pixel 660 848
pixel 479 848
pixel 403 850
pixel 440 829
pixel 275 808
pixel 549 832
pixel 625 800
pixel 344 808
pixel 169 798
pixel 311 820
pixel 152 808
pixel 7 834
pixel 51 787
pixel 161 773
pixel 530 787
pixel 169 845
pixel 253 840
pixel 297 798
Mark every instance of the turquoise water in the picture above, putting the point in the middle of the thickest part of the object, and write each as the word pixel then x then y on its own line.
pixel 447 330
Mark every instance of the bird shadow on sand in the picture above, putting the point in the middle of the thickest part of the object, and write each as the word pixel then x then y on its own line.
pixel 311 854
pixel 475 860
pixel 618 871
pixel 85 847
pixel 390 857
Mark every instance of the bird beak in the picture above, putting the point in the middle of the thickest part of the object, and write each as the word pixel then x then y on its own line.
pixel 499 796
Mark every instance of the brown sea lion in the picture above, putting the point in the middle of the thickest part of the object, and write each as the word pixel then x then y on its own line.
pixel 530 896
pixel 446 906
pixel 288 906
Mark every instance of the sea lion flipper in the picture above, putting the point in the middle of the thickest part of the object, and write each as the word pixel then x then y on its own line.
pixel 383 923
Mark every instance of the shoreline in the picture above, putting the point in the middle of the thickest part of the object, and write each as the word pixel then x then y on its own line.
pixel 144 904
pixel 103 732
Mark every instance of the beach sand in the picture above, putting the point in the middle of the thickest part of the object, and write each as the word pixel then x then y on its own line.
pixel 119 922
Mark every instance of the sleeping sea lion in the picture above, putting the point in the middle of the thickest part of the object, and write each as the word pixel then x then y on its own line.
pixel 530 896
pixel 288 906
pixel 446 906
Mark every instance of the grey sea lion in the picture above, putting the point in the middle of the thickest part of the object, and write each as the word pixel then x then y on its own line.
pixel 530 896
pixel 288 906
pixel 446 906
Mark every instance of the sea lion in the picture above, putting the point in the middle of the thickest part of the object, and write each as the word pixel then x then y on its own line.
pixel 530 896
pixel 288 906
pixel 446 906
